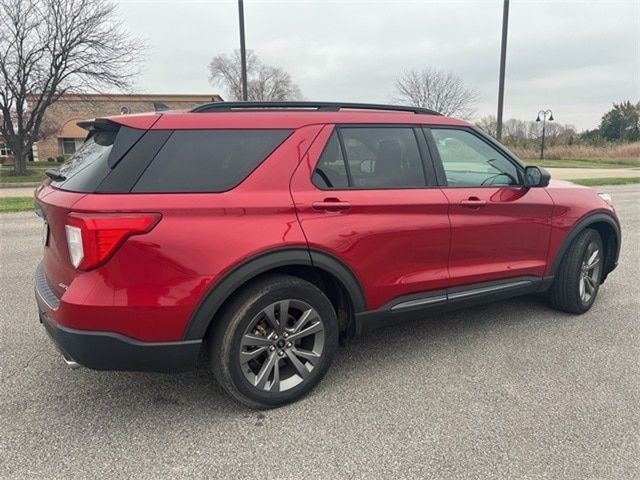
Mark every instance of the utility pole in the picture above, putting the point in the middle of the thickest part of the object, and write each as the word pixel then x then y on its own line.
pixel 503 59
pixel 243 51
pixel 544 114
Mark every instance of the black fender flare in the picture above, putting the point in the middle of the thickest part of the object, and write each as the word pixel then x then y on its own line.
pixel 264 262
pixel 583 223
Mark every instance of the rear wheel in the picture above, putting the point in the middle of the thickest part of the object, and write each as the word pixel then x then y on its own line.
pixel 274 341
pixel 578 278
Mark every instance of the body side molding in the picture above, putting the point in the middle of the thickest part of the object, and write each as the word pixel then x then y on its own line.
pixel 416 306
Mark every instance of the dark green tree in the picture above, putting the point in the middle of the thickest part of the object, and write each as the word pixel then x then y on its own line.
pixel 621 123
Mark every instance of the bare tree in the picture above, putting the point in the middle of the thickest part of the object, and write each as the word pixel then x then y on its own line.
pixel 49 48
pixel 264 82
pixel 489 124
pixel 441 91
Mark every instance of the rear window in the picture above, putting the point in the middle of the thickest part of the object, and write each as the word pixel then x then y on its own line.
pixel 208 160
pixel 88 166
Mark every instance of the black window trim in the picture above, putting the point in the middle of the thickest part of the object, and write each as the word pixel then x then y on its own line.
pixel 423 150
pixel 439 166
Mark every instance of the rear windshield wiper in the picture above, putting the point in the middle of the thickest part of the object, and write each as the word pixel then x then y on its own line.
pixel 55 175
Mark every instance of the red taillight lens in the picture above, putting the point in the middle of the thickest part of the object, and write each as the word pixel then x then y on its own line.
pixel 92 238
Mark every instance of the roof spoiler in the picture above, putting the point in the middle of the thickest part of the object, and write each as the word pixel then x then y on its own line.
pixel 98 124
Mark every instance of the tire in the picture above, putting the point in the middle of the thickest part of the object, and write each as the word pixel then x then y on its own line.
pixel 570 285
pixel 253 353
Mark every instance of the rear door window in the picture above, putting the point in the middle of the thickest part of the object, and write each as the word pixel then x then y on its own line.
pixel 376 158
pixel 208 160
pixel 331 171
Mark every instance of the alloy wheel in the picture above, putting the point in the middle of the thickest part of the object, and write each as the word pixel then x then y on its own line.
pixel 282 345
pixel 589 272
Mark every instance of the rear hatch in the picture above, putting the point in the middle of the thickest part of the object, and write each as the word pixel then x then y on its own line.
pixel 83 173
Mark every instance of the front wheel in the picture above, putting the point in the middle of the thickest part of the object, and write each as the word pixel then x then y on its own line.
pixel 578 278
pixel 274 341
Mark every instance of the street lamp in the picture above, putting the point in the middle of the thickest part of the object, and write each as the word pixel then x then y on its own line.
pixel 243 50
pixel 544 114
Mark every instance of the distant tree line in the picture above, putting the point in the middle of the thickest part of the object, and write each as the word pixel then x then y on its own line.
pixel 621 124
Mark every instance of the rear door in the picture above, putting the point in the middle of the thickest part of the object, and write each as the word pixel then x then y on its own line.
pixel 499 228
pixel 366 195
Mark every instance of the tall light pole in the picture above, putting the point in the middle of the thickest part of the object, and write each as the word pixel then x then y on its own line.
pixel 544 114
pixel 503 59
pixel 243 51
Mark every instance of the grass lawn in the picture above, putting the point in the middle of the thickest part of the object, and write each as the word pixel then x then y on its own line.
pixel 16 204
pixel 579 163
pixel 594 182
pixel 35 176
pixel 32 166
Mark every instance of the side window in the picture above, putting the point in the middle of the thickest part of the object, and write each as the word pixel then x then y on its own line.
pixel 381 157
pixel 469 161
pixel 377 157
pixel 331 171
pixel 208 160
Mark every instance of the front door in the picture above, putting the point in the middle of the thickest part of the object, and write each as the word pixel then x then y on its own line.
pixel 499 228
pixel 364 195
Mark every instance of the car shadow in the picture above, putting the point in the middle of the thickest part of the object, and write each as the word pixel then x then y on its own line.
pixel 198 393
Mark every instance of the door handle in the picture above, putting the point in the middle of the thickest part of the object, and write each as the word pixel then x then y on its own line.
pixel 473 202
pixel 331 205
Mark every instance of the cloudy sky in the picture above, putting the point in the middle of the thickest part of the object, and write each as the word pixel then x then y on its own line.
pixel 575 57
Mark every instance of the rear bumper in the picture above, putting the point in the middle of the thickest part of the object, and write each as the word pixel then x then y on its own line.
pixel 109 350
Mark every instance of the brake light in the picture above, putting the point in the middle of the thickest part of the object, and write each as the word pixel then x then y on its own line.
pixel 93 238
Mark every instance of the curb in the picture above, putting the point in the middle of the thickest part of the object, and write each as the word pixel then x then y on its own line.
pixel 20 185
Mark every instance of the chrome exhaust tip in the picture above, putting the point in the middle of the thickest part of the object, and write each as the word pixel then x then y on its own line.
pixel 70 363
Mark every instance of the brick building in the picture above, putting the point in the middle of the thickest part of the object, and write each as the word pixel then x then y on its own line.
pixel 63 136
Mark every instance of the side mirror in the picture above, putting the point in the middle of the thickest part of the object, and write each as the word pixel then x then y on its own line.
pixel 536 177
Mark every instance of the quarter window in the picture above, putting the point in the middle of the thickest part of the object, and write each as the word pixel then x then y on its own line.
pixel 208 160
pixel 376 157
pixel 469 161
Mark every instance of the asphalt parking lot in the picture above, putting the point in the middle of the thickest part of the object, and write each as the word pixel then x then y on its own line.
pixel 510 390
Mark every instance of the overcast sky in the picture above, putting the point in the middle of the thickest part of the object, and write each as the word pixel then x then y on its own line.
pixel 575 57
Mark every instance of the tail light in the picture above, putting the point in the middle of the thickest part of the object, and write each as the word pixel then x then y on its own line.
pixel 93 238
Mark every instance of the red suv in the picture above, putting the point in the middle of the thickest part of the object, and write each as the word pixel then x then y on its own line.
pixel 264 233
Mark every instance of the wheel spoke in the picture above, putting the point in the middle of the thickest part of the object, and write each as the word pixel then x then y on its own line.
pixel 250 340
pixel 582 288
pixel 275 384
pixel 265 371
pixel 270 313
pixel 310 330
pixel 306 316
pixel 593 261
pixel 307 355
pixel 250 355
pixel 590 284
pixel 297 364
pixel 284 313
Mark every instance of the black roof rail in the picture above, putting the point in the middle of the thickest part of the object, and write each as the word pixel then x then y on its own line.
pixel 319 106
